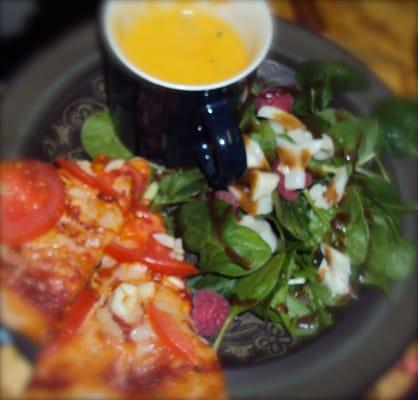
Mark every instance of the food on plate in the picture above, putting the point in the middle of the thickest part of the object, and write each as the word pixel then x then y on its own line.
pixel 100 280
pixel 129 333
pixel 92 256
pixel 55 226
pixel 212 52
pixel 314 217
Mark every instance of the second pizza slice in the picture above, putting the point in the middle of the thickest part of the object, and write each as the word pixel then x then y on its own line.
pixel 129 333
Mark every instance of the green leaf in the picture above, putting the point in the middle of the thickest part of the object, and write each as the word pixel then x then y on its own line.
pixel 356 138
pixel 384 194
pixel 402 258
pixel 100 137
pixel 357 231
pixel 398 120
pixel 296 308
pixel 258 285
pixel 180 186
pixel 247 244
pixel 249 120
pixel 391 256
pixel 319 80
pixel 221 252
pixel 195 225
pixel 293 217
pixel 341 76
pixel 213 259
pixel 323 295
pixel 280 296
pixel 266 137
pixel 220 284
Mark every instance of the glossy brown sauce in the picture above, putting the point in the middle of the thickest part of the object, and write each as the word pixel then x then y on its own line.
pixel 292 160
pixel 245 202
pixel 331 194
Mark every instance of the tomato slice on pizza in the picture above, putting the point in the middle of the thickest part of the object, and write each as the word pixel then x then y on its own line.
pixel 55 225
pixel 136 341
pixel 32 200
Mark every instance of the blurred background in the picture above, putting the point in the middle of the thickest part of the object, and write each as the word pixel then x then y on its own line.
pixel 381 33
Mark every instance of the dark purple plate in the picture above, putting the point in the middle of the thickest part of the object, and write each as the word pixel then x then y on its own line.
pixel 42 113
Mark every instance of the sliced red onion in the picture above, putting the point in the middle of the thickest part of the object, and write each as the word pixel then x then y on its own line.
pixel 276 97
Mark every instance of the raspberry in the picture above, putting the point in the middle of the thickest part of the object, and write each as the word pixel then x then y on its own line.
pixel 276 97
pixel 209 311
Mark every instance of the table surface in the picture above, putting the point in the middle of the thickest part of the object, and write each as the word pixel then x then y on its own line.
pixel 381 33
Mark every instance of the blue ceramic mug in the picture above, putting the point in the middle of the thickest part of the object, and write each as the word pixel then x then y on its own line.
pixel 183 125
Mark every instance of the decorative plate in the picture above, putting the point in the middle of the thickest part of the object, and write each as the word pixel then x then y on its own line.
pixel 42 114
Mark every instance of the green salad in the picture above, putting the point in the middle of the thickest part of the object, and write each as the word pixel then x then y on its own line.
pixel 314 217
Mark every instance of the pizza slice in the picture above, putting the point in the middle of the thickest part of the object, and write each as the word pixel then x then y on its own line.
pixel 55 224
pixel 129 334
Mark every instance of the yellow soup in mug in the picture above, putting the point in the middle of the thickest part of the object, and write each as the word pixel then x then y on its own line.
pixel 182 45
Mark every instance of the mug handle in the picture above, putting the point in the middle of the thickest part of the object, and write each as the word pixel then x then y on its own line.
pixel 220 147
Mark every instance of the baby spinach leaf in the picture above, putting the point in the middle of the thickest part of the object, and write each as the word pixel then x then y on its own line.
pixel 247 244
pixel 213 259
pixel 390 256
pixel 266 137
pixel 293 217
pixel 398 120
pixel 340 75
pixel 357 231
pixel 323 295
pixel 369 131
pixel 357 138
pixel 259 284
pixel 200 236
pixel 180 186
pixel 384 194
pixel 195 225
pixel 249 120
pixel 100 137
pixel 220 284
pixel 296 308
pixel 319 80
pixel 280 296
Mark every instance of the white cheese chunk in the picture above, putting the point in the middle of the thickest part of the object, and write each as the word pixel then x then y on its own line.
pixel 262 183
pixel 317 194
pixel 335 270
pixel 326 150
pixel 254 153
pixel 296 150
pixel 286 120
pixel 264 205
pixel 261 227
pixel 340 181
pixel 328 196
